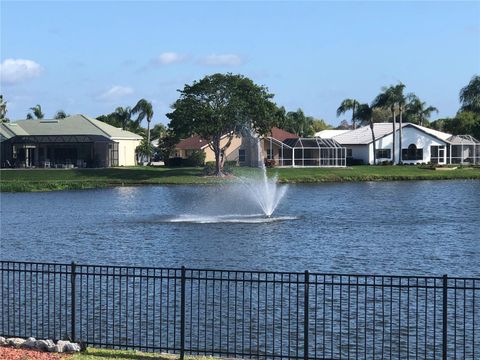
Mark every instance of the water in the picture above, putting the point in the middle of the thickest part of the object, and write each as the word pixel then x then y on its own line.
pixel 263 190
pixel 428 228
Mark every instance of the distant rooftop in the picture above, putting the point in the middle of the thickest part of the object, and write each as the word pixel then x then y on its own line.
pixel 329 133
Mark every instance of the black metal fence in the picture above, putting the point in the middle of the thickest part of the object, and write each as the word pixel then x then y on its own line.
pixel 243 313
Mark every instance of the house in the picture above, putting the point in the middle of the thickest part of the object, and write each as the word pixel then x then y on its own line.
pixel 75 141
pixel 419 145
pixel 279 147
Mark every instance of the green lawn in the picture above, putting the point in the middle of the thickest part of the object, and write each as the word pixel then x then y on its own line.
pixel 63 179
pixel 102 354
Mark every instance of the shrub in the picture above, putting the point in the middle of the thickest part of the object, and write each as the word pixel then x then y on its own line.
pixel 352 161
pixel 174 162
pixel 210 169
pixel 196 158
pixel 270 163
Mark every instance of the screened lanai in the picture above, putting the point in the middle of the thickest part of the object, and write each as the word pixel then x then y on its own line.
pixel 306 152
pixel 463 149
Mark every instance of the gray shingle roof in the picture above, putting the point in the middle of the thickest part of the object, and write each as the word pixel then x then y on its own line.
pixel 72 125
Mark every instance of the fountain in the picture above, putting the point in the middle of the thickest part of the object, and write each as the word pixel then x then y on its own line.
pixel 264 191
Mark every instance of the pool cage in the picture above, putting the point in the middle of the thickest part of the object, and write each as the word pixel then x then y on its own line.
pixel 306 152
pixel 463 149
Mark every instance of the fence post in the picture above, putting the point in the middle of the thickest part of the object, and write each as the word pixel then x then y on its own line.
pixel 73 298
pixel 445 318
pixel 305 315
pixel 182 315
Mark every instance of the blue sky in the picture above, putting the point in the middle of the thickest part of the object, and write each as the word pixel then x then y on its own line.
pixel 90 57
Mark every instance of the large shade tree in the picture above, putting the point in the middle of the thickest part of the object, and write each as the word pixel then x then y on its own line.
pixel 470 96
pixel 222 105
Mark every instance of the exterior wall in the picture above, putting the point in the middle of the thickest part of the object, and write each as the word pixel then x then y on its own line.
pixel 231 152
pixel 361 152
pixel 410 135
pixel 126 152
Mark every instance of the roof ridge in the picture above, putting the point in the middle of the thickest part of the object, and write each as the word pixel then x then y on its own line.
pixel 98 127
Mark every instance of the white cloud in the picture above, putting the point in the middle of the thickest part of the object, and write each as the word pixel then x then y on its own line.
pixel 14 71
pixel 222 60
pixel 168 58
pixel 115 92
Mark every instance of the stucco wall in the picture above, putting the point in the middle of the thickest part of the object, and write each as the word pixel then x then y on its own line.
pixel 231 153
pixel 126 152
pixel 410 135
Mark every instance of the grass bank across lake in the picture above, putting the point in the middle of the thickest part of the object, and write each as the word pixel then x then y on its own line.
pixel 71 179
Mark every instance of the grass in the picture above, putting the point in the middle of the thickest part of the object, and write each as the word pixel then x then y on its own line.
pixel 103 354
pixel 74 179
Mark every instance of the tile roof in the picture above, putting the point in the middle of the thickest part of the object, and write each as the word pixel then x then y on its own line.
pixel 193 142
pixel 329 133
pixel 282 135
pixel 363 135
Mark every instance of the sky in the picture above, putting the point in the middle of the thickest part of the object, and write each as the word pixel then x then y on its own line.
pixel 93 56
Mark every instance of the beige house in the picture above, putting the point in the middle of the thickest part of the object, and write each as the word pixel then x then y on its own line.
pixel 75 141
pixel 280 147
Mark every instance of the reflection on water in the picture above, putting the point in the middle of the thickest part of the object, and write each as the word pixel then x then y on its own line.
pixel 392 227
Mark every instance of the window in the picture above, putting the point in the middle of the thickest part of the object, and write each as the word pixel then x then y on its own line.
pixel 412 153
pixel 269 153
pixel 349 153
pixel 383 154
pixel 241 155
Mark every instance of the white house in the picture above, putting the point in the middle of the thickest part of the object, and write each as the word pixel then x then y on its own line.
pixel 419 145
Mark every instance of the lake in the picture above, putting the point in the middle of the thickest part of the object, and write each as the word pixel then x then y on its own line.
pixel 411 227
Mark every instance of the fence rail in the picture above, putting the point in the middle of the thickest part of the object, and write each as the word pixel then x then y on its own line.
pixel 275 315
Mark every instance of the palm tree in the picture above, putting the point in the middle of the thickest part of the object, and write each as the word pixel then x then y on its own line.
pixel 364 115
pixel 37 112
pixel 470 96
pixel 386 99
pixel 417 111
pixel 347 105
pixel 123 116
pixel 60 114
pixel 401 100
pixel 144 109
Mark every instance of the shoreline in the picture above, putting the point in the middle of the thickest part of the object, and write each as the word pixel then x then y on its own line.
pixel 37 180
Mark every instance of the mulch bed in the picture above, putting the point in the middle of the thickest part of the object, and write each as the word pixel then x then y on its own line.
pixel 8 353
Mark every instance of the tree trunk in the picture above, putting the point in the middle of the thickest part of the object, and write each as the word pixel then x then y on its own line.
pixel 218 156
pixel 149 155
pixel 393 134
pixel 353 117
pixel 400 137
pixel 374 145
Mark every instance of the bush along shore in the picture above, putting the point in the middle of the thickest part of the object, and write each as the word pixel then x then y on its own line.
pixel 17 180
